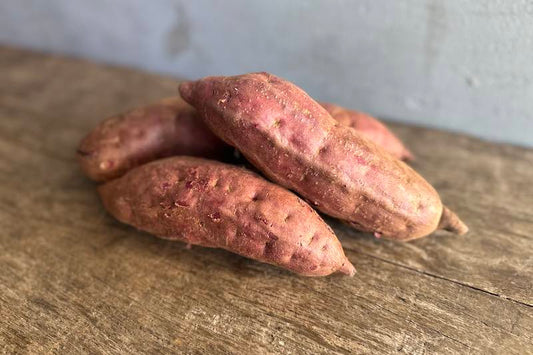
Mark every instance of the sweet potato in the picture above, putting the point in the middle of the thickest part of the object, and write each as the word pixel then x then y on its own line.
pixel 370 128
pixel 296 143
pixel 217 205
pixel 168 127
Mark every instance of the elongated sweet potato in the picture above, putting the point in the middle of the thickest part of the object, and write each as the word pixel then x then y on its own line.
pixel 216 205
pixel 168 127
pixel 296 143
pixel 370 128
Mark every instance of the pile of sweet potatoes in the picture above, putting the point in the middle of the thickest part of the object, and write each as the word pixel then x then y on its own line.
pixel 346 164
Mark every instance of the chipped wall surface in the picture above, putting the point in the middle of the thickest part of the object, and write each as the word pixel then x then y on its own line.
pixel 454 64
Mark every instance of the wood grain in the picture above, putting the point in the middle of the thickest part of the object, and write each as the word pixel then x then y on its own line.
pixel 74 280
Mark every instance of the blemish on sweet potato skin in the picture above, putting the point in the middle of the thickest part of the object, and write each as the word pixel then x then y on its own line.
pixel 370 128
pixel 344 174
pixel 165 128
pixel 171 198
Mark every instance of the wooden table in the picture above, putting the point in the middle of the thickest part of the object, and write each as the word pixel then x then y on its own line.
pixel 74 280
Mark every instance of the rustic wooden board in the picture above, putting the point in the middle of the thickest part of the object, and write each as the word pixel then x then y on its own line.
pixel 74 280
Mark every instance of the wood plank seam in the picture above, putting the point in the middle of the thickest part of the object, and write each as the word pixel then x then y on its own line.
pixel 444 279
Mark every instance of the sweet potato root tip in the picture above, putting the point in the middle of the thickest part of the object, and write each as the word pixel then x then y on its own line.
pixel 450 221
pixel 407 155
pixel 186 90
pixel 347 268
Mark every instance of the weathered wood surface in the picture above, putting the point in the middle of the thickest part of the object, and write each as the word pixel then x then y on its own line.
pixel 74 280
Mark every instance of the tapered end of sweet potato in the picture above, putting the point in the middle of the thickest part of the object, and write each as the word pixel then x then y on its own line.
pixel 186 90
pixel 450 222
pixel 407 155
pixel 347 268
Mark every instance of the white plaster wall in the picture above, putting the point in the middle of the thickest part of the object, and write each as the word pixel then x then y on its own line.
pixel 464 65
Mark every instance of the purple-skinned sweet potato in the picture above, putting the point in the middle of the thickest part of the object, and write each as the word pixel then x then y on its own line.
pixel 370 128
pixel 296 143
pixel 212 204
pixel 165 128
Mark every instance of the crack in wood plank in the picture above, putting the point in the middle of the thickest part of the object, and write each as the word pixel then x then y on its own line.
pixel 422 272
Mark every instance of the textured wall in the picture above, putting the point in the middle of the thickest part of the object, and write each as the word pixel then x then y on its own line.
pixel 455 64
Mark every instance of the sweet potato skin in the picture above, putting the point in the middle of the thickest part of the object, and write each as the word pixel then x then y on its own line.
pixel 213 204
pixel 165 128
pixel 370 128
pixel 296 143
